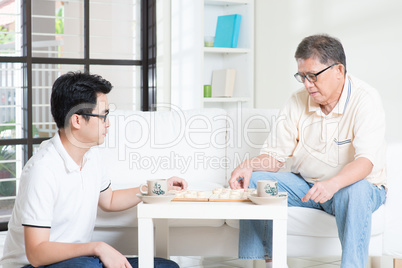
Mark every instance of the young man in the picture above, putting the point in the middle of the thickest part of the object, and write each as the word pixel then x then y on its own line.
pixel 64 182
pixel 333 129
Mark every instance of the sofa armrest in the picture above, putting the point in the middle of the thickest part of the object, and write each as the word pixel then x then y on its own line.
pixel 393 222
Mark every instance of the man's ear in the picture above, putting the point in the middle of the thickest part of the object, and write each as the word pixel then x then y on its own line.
pixel 76 121
pixel 341 69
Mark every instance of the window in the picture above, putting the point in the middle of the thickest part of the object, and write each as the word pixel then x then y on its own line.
pixel 105 37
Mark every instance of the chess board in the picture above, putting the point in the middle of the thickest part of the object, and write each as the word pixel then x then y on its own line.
pixel 217 195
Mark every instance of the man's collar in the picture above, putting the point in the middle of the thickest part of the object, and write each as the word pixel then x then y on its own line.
pixel 342 104
pixel 70 164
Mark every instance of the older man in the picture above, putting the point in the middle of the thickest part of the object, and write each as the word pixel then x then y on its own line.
pixel 333 129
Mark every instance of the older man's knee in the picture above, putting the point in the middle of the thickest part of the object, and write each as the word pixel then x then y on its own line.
pixel 356 192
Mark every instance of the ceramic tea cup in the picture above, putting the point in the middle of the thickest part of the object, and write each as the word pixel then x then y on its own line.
pixel 154 187
pixel 267 188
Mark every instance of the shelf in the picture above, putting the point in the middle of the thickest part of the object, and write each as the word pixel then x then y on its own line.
pixel 195 67
pixel 226 50
pixel 243 99
pixel 226 2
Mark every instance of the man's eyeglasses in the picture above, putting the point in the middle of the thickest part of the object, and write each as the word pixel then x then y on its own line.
pixel 309 76
pixel 104 116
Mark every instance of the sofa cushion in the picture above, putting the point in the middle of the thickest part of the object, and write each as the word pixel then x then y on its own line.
pixel 317 223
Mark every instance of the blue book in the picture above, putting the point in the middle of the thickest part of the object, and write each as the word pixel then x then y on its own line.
pixel 227 30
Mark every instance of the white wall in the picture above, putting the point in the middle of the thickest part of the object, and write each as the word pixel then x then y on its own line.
pixel 370 31
pixel 186 53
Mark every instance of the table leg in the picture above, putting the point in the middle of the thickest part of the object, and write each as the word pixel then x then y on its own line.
pixel 279 243
pixel 162 238
pixel 145 243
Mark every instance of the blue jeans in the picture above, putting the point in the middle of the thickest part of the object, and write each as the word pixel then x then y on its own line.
pixel 352 207
pixel 94 262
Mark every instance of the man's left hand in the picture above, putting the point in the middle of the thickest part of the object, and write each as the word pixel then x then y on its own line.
pixel 321 192
pixel 176 183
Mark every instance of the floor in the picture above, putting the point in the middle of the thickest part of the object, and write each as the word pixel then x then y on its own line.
pixel 228 262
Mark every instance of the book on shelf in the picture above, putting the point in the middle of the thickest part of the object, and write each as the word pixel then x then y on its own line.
pixel 223 83
pixel 227 31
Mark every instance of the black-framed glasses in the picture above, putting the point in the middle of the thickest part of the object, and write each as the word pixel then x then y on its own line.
pixel 104 116
pixel 309 76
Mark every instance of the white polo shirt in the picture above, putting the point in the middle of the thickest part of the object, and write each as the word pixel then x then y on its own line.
pixel 54 193
pixel 321 145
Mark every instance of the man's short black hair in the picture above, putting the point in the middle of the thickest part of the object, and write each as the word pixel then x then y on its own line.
pixel 326 49
pixel 76 92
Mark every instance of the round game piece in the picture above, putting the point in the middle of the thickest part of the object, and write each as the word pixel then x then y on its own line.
pixel 201 194
pixel 224 196
pixel 188 195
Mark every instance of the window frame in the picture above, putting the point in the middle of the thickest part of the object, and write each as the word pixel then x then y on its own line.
pixel 147 63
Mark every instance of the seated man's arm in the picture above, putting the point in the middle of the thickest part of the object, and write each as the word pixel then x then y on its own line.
pixel 119 200
pixel 353 172
pixel 41 251
pixel 263 162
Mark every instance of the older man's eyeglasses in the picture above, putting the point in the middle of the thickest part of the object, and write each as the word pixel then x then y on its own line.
pixel 309 76
pixel 103 116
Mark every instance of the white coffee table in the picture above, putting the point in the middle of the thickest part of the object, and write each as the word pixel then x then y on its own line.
pixel 158 215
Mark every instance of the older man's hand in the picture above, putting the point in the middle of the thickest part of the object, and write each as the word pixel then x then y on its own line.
pixel 240 177
pixel 322 191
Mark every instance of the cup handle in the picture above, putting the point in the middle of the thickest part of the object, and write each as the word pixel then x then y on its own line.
pixel 141 190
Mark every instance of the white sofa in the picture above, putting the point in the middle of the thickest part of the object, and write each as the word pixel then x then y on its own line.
pixel 203 146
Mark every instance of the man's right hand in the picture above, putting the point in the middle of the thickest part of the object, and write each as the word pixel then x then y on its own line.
pixel 110 257
pixel 240 177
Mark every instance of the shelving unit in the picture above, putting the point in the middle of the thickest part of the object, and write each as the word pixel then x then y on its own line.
pixel 226 50
pixel 193 64
pixel 241 58
pixel 226 2
pixel 227 100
